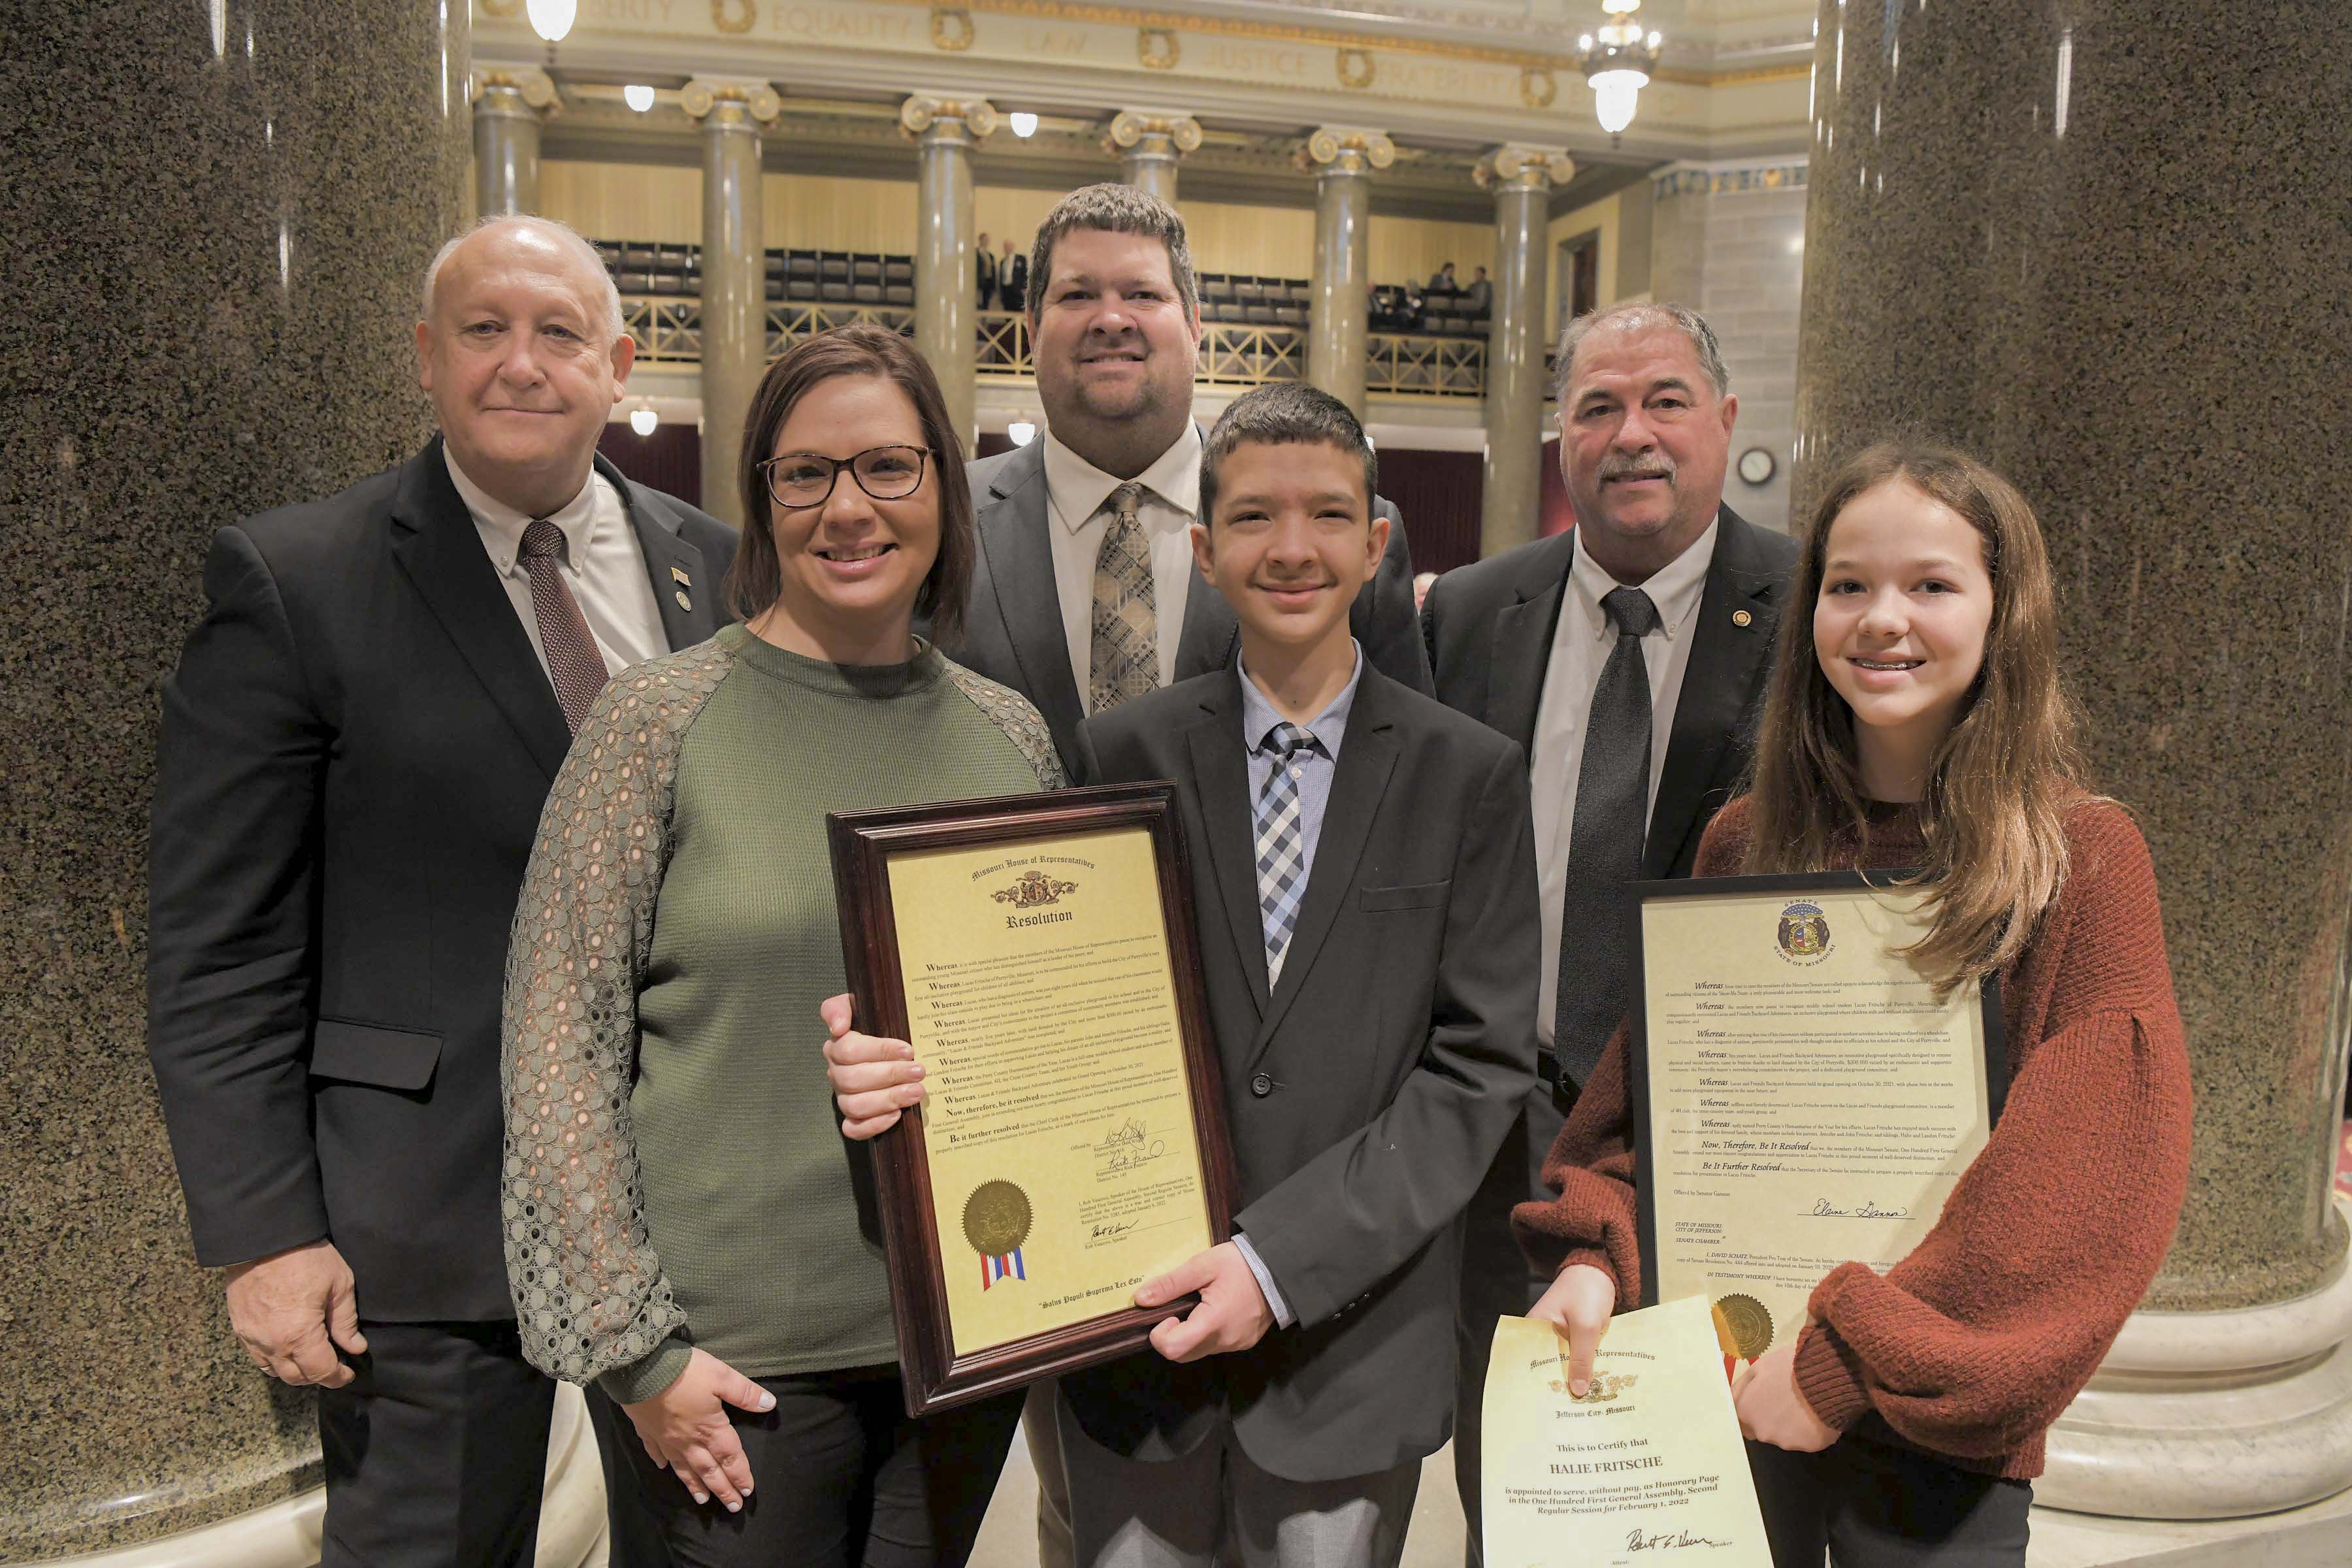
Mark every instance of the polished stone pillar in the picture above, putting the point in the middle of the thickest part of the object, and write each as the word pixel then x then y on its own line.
pixel 1147 142
pixel 1343 158
pixel 508 104
pixel 946 302
pixel 734 275
pixel 2084 243
pixel 268 181
pixel 1521 179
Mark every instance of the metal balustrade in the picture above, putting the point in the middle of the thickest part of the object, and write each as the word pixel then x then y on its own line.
pixel 669 330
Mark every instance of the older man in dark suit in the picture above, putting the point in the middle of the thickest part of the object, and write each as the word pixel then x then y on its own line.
pixel 1628 657
pixel 355 748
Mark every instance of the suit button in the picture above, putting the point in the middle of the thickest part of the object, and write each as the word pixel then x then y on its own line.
pixel 1262 1085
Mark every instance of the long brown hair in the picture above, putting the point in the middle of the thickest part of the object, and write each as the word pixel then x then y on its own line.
pixel 2001 779
pixel 861 348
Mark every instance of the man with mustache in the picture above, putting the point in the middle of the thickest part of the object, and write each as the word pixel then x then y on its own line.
pixel 1084 595
pixel 1628 656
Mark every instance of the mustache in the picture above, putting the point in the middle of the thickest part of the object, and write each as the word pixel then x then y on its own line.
pixel 1654 466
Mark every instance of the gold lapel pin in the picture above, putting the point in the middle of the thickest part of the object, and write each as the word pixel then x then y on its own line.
pixel 684 580
pixel 1741 617
pixel 683 602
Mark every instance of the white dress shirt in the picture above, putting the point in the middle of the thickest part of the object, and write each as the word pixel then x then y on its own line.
pixel 601 564
pixel 1077 518
pixel 1581 646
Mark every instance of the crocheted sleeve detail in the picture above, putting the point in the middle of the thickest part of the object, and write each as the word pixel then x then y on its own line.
pixel 589 1292
pixel 1022 724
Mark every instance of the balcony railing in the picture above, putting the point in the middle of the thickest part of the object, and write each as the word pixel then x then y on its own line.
pixel 669 330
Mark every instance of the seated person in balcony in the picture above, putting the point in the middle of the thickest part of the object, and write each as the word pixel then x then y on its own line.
pixel 1444 282
pixel 1476 298
pixel 1083 590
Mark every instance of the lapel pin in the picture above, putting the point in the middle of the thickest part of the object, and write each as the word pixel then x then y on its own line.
pixel 1738 618
pixel 684 580
pixel 683 602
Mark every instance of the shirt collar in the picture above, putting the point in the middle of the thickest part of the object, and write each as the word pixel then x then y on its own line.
pixel 1078 488
pixel 1673 588
pixel 1259 717
pixel 502 525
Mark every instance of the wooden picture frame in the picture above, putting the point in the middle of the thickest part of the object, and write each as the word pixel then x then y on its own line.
pixel 1030 828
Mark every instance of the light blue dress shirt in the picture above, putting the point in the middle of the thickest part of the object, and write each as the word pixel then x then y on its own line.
pixel 1316 765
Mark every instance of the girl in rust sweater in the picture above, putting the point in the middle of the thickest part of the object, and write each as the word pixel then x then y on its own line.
pixel 1915 718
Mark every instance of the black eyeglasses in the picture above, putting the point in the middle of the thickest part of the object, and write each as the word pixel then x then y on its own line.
pixel 802 479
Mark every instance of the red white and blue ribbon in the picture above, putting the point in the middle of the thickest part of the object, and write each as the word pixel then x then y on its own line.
pixel 1008 1267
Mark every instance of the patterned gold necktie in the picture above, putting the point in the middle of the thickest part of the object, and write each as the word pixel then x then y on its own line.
pixel 1126 650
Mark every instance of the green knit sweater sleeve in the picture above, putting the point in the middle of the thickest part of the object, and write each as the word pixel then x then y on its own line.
pixel 589 1292
pixel 1022 724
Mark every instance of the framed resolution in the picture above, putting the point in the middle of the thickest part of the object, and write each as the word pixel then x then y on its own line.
pixel 1801 1097
pixel 1038 951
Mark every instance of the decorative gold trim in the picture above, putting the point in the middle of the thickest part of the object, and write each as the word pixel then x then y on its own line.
pixel 974 116
pixel 951 29
pixel 723 100
pixel 1351 149
pixel 500 7
pixel 733 16
pixel 1158 48
pixel 1537 88
pixel 1130 126
pixel 1354 68
pixel 1514 165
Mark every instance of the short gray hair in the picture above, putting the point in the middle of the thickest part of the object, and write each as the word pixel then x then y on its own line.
pixel 562 234
pixel 1681 318
pixel 1112 209
pixel 1281 414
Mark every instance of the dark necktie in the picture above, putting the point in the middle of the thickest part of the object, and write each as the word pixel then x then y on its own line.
pixel 1604 850
pixel 573 662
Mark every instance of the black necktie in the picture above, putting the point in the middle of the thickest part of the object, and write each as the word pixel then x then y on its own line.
pixel 1604 850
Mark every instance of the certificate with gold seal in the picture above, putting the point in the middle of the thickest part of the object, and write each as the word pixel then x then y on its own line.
pixel 1038 953
pixel 1801 1096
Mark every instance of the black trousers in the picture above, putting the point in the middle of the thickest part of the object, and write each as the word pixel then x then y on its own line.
pixel 436 1452
pixel 1872 1505
pixel 840 1478
pixel 1496 1279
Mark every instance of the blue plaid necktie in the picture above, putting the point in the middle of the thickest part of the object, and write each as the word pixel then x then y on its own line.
pixel 1281 841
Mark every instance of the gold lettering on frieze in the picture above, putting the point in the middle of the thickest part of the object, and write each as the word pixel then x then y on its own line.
pixel 645 13
pixel 1435 79
pixel 824 24
pixel 1255 61
pixel 1057 45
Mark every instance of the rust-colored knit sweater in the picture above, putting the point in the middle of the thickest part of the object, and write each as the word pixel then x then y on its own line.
pixel 1970 1347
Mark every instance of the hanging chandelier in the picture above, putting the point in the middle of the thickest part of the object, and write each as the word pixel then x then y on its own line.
pixel 1617 62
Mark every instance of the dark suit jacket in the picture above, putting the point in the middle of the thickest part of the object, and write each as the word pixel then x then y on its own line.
pixel 1013 283
pixel 986 266
pixel 1490 629
pixel 1368 1093
pixel 354 750
pixel 1013 624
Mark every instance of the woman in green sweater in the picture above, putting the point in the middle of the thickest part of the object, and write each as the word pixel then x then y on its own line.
pixel 680 1222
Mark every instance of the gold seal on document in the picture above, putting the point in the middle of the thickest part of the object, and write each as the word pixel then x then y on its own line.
pixel 1804 934
pixel 996 1218
pixel 1750 1326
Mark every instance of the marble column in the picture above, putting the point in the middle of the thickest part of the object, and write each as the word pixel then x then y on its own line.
pixel 734 274
pixel 1521 179
pixel 1147 142
pixel 508 104
pixel 947 289
pixel 268 181
pixel 1343 158
pixel 2085 243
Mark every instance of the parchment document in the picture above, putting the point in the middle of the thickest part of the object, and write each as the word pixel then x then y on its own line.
pixel 1058 1126
pixel 1648 1467
pixel 1810 1101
